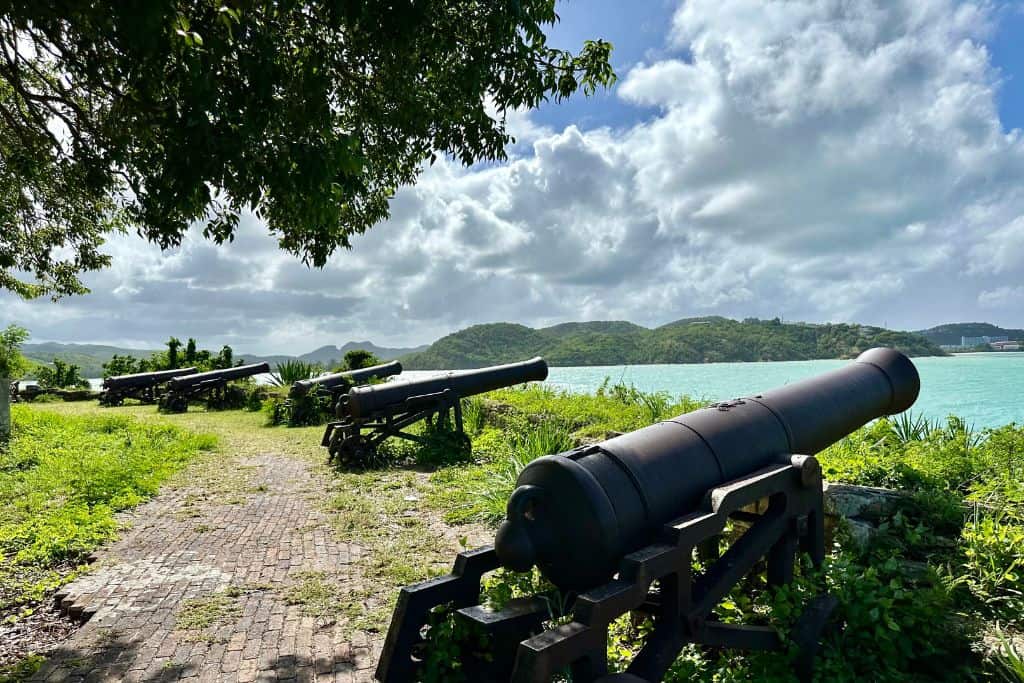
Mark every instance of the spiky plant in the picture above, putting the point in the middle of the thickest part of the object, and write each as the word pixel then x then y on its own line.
pixel 292 371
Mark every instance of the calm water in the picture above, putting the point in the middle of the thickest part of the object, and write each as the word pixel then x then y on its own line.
pixel 987 389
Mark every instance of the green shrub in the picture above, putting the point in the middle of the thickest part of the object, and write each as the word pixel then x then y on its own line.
pixel 312 409
pixel 992 566
pixel 443 446
pixel 547 438
pixel 1008 659
pixel 234 396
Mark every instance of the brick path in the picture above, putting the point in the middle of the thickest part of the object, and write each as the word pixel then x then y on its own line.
pixel 242 548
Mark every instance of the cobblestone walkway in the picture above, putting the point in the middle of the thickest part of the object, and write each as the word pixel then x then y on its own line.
pixel 198 588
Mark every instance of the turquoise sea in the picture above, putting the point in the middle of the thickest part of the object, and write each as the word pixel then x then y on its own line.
pixel 986 389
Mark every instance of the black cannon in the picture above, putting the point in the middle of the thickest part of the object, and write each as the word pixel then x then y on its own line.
pixel 143 386
pixel 617 525
pixel 386 409
pixel 340 383
pixel 212 386
pixel 309 400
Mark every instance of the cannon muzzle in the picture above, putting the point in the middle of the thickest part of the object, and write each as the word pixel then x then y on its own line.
pixel 576 514
pixel 349 378
pixel 365 401
pixel 237 372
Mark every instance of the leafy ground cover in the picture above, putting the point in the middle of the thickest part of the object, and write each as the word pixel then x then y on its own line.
pixel 62 479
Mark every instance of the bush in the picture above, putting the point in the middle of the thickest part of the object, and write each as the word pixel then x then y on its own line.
pixel 992 566
pixel 61 376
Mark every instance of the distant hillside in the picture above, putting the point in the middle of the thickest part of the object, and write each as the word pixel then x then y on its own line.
pixel 332 355
pixel 693 340
pixel 91 357
pixel 953 332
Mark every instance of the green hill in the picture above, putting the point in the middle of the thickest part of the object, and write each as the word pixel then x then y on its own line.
pixel 952 333
pixel 89 357
pixel 692 340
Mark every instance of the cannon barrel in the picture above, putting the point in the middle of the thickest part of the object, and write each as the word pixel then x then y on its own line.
pixel 143 379
pixel 347 378
pixel 574 515
pixel 237 372
pixel 365 401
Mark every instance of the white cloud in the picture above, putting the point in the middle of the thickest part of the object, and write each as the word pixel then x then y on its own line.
pixel 810 158
pixel 1002 297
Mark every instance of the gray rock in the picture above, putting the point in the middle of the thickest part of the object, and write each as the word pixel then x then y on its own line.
pixel 861 532
pixel 865 502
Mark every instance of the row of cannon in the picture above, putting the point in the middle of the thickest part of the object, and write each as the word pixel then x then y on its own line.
pixel 644 523
pixel 173 389
pixel 366 413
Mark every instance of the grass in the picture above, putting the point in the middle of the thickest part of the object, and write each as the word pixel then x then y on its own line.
pixel 1009 658
pixel 200 616
pixel 388 514
pixel 320 595
pixel 512 427
pixel 614 408
pixel 62 480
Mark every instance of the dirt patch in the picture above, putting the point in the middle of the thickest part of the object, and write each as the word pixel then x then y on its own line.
pixel 36 633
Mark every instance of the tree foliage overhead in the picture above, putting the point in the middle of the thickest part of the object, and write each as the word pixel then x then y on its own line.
pixel 311 114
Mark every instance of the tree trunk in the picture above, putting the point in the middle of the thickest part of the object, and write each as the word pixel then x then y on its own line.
pixel 5 409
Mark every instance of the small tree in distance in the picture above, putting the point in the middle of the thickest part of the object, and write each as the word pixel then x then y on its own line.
pixel 12 366
pixel 61 376
pixel 173 344
pixel 359 358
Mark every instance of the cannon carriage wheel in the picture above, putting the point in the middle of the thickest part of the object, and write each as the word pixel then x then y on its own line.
pixel 352 452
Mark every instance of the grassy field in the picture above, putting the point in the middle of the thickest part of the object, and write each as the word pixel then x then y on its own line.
pixel 944 580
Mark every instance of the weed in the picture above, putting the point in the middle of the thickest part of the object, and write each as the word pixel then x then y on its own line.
pixel 21 671
pixel 317 595
pixel 199 616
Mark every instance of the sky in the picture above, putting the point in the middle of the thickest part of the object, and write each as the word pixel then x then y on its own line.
pixel 815 160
